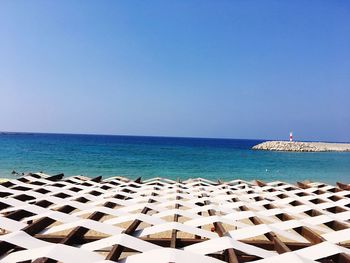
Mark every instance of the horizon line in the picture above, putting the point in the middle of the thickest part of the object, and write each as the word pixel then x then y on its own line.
pixel 133 135
pixel 155 136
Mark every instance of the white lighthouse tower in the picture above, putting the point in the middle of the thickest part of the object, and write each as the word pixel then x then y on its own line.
pixel 291 136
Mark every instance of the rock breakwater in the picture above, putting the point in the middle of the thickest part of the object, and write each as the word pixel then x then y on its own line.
pixel 302 146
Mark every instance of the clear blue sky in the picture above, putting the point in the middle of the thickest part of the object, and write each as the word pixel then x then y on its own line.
pixel 237 69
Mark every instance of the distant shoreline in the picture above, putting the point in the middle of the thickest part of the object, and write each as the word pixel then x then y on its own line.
pixel 288 146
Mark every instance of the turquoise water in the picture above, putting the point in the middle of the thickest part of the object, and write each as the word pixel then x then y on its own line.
pixel 132 156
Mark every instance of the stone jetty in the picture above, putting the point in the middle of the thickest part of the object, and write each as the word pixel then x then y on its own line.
pixel 302 146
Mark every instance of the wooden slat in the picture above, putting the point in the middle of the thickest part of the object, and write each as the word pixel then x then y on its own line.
pixel 34 228
pixel 38 225
pixel 75 236
pixel 220 230
pixel 280 247
pixel 55 178
pixel 117 250
pixel 182 242
pixel 343 186
pixel 176 218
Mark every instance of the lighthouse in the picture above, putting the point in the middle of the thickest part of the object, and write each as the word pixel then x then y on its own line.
pixel 291 136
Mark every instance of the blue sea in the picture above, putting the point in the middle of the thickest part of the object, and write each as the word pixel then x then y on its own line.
pixel 134 156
